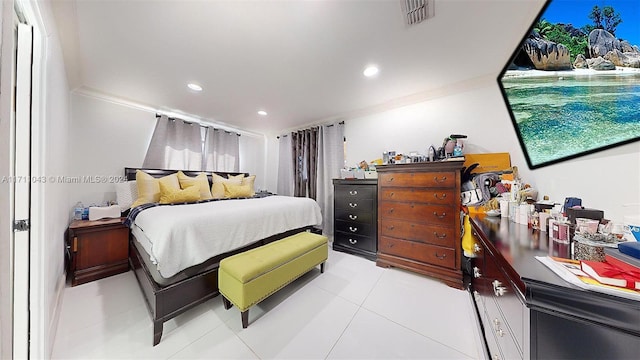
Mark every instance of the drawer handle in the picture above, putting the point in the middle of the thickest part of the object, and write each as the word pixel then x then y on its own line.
pixel 476 248
pixel 353 229
pixel 440 197
pixel 352 242
pixel 476 272
pixel 441 257
pixel 439 236
pixel 391 194
pixel 353 217
pixel 443 179
pixel 498 289
pixel 353 192
pixel 391 227
pixel 391 210
pixel 353 204
pixel 439 215
pixel 391 179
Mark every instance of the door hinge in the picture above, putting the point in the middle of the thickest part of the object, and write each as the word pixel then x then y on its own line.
pixel 21 225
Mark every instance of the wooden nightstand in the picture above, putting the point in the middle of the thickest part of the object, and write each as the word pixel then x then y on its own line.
pixel 98 249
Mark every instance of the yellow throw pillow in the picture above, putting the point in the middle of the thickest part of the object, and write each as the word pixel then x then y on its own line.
pixel 250 181
pixel 217 189
pixel 236 191
pixel 200 181
pixel 169 195
pixel 237 179
pixel 149 187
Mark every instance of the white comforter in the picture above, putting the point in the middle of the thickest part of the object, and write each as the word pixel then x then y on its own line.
pixel 181 236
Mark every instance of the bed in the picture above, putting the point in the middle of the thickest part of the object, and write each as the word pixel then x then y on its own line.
pixel 177 266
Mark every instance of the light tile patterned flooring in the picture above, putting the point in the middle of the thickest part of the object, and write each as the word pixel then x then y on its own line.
pixel 355 310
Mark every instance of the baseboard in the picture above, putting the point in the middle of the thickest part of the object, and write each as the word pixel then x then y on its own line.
pixel 53 325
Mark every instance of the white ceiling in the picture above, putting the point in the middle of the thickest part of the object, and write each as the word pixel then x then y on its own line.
pixel 301 61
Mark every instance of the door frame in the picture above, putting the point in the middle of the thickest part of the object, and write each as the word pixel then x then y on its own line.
pixel 37 346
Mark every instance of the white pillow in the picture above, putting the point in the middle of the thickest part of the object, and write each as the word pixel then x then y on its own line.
pixel 126 194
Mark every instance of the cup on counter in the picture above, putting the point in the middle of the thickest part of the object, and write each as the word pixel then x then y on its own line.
pixel 504 208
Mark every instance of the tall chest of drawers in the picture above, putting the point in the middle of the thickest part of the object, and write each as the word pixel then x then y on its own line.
pixel 419 225
pixel 355 217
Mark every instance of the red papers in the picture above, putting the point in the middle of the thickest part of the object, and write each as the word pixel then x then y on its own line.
pixel 613 272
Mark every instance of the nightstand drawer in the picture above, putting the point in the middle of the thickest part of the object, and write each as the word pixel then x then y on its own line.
pixel 435 255
pixel 430 179
pixel 98 249
pixel 355 241
pixel 355 228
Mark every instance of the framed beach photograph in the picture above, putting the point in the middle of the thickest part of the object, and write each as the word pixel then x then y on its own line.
pixel 573 84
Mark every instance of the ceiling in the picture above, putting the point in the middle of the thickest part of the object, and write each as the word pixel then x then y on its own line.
pixel 301 61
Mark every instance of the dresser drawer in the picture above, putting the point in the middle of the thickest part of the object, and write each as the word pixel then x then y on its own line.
pixel 435 255
pixel 425 233
pixel 354 204
pixel 421 195
pixel 498 327
pixel 355 228
pixel 359 214
pixel 430 179
pixel 367 243
pixel 428 214
pixel 349 192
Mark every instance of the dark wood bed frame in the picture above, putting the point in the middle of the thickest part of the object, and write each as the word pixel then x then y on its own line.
pixel 167 302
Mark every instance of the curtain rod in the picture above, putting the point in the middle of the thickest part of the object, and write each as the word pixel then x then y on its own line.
pixel 201 125
pixel 330 125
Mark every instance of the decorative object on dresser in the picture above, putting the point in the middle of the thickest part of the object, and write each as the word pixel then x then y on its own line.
pixel 419 219
pixel 98 249
pixel 355 217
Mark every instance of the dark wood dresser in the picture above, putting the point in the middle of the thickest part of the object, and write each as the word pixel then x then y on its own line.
pixel 355 217
pixel 98 248
pixel 528 312
pixel 419 219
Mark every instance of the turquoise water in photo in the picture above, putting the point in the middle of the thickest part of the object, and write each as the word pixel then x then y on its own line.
pixel 561 116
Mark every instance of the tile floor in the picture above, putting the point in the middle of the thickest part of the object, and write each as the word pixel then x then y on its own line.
pixel 355 310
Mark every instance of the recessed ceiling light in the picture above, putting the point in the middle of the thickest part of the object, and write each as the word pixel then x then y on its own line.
pixel 370 71
pixel 262 112
pixel 194 87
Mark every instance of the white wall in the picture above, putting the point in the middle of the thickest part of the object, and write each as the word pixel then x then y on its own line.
pixel 53 156
pixel 107 136
pixel 606 180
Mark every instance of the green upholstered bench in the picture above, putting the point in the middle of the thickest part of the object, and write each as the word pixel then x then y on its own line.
pixel 247 278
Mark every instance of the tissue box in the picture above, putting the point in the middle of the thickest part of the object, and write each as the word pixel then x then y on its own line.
pixel 368 174
pixel 104 212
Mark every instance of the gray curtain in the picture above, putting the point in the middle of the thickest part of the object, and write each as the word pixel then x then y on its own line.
pixel 222 151
pixel 304 146
pixel 330 161
pixel 175 144
pixel 285 166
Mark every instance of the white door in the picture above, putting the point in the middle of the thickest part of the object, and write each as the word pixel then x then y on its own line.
pixel 22 171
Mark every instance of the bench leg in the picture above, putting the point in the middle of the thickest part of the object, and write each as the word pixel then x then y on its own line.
pixel 321 268
pixel 226 303
pixel 245 318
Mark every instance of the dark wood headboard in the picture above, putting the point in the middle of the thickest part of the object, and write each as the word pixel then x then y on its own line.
pixel 130 173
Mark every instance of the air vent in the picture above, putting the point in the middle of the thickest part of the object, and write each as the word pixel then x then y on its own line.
pixel 416 11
